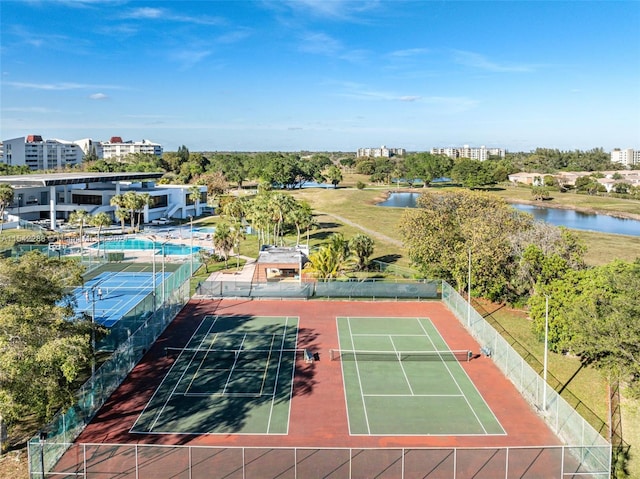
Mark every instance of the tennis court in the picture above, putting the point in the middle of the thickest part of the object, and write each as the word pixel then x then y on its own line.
pixel 234 376
pixel 401 378
pixel 110 295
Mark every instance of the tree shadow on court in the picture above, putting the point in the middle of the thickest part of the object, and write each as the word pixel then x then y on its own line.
pixel 228 398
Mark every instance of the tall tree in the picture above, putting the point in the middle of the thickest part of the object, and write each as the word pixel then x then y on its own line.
pixel 361 248
pixel 121 212
pixel 223 241
pixel 302 217
pixel 443 229
pixel 100 220
pixel 80 218
pixel 334 175
pixel 605 321
pixel 43 348
pixel 6 198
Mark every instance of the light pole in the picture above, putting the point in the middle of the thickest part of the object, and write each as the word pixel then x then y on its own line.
pixel 191 251
pixel 163 285
pixel 19 200
pixel 469 294
pixel 43 440
pixel 153 262
pixel 93 342
pixel 546 351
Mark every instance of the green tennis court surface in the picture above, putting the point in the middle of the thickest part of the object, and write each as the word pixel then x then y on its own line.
pixel 234 376
pixel 400 378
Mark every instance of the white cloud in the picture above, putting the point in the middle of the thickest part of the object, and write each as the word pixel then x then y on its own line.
pixel 476 60
pixel 98 96
pixel 163 14
pixel 409 52
pixel 59 86
pixel 345 10
pixel 187 58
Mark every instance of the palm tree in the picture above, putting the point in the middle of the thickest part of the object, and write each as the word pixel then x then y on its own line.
pixel 223 241
pixel 340 245
pixel 325 263
pixel 121 213
pixel 100 220
pixel 6 198
pixel 302 217
pixel 260 217
pixel 238 235
pixel 361 247
pixel 281 204
pixel 130 202
pixel 80 217
pixel 194 193
pixel 234 208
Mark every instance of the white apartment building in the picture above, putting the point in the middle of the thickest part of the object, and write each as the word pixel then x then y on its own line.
pixel 382 152
pixel 116 148
pixel 483 153
pixel 625 156
pixel 39 154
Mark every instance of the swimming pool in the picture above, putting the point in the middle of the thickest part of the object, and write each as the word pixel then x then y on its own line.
pixel 132 244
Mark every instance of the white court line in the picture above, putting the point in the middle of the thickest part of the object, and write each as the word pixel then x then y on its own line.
pixel 235 361
pixel 273 398
pixel 293 371
pixel 180 379
pixel 364 405
pixel 387 334
pixel 266 369
pixel 406 378
pixel 169 373
pixel 415 395
pixel 454 379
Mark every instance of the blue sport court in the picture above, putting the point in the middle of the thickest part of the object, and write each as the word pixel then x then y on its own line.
pixel 115 294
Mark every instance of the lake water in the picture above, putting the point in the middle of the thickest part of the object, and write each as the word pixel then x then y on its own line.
pixel 569 218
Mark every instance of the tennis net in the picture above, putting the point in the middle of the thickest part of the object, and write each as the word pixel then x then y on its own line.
pixel 231 355
pixel 355 355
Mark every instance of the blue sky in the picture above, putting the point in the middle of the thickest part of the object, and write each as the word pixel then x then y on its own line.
pixel 323 75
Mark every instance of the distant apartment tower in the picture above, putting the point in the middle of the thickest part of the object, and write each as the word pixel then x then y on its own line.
pixel 483 153
pixel 40 154
pixel 382 152
pixel 625 156
pixel 116 148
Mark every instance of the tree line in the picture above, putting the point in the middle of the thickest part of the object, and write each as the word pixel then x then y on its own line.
pixel 592 312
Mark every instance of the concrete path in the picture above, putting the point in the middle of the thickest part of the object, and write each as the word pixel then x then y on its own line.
pixel 371 233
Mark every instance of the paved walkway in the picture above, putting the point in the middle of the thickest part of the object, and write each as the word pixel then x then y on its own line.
pixel 371 233
pixel 245 274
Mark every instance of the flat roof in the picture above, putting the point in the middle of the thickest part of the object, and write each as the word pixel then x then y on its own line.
pixel 282 255
pixel 55 179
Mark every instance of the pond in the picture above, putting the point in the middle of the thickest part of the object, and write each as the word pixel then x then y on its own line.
pixel 559 217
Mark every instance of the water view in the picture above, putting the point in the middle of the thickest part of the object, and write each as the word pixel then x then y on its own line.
pixel 568 218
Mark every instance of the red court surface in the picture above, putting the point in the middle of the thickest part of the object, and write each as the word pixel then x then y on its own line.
pixel 318 416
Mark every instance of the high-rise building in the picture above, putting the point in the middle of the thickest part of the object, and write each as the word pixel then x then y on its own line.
pixel 483 153
pixel 625 156
pixel 39 154
pixel 382 152
pixel 116 148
